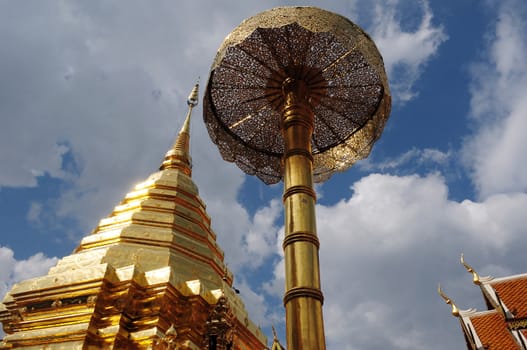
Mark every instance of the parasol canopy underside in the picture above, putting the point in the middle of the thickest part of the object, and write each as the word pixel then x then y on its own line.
pixel 347 91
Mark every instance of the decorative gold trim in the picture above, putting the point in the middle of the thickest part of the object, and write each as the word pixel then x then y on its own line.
pixel 517 324
pixel 300 237
pixel 303 292
pixel 299 189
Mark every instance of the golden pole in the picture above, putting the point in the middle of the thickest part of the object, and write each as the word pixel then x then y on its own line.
pixel 303 298
pixel 331 66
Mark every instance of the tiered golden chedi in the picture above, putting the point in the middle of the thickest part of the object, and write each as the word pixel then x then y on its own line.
pixel 150 276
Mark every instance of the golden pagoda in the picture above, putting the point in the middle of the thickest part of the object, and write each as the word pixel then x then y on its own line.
pixel 150 276
pixel 504 325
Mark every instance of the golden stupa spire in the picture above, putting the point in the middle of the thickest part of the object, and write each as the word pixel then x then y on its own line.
pixel 178 157
pixel 455 310
pixel 475 277
pixel 147 277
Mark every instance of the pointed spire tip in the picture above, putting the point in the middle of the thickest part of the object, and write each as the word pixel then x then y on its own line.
pixel 178 157
pixel 192 99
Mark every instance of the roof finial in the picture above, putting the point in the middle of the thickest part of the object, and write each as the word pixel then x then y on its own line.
pixel 475 276
pixel 455 310
pixel 276 343
pixel 178 157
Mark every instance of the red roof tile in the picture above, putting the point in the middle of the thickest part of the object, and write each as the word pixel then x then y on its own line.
pixel 513 294
pixel 492 330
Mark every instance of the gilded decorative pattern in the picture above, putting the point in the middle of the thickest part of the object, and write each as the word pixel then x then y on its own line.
pixel 348 90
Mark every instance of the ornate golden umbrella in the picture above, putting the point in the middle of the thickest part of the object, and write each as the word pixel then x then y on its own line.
pixel 297 93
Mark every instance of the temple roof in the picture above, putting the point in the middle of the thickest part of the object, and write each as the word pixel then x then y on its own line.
pixel 491 329
pixel 276 343
pixel 504 325
pixel 512 293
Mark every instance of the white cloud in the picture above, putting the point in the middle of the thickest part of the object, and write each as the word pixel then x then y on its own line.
pixel 247 241
pixel 275 287
pixel 108 81
pixel 257 307
pixel 495 153
pixel 101 82
pixel 405 52
pixel 261 239
pixel 413 157
pixel 384 249
pixel 389 245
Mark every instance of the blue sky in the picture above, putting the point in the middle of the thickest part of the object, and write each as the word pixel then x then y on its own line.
pixel 93 93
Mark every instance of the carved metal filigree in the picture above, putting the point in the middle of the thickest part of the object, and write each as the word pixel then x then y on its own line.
pixel 344 73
